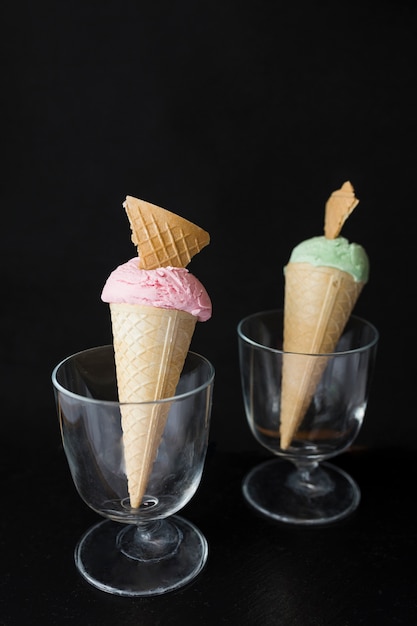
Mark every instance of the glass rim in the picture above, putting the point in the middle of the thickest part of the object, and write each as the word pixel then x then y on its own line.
pixel 71 394
pixel 371 343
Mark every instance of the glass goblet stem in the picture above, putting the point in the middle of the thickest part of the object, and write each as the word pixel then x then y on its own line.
pixel 309 479
pixel 149 540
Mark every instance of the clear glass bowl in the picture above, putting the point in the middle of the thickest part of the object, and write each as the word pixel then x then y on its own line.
pixel 145 550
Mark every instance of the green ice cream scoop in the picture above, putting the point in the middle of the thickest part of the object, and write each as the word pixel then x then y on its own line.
pixel 337 253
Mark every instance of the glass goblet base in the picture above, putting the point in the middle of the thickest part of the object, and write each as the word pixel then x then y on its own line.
pixel 102 559
pixel 276 489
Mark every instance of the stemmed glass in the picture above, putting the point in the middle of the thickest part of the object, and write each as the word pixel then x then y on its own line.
pixel 300 486
pixel 148 550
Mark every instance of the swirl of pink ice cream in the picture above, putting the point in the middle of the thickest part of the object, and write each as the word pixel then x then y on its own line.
pixel 164 288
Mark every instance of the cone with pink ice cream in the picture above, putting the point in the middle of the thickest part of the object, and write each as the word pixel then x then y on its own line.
pixel 323 280
pixel 155 303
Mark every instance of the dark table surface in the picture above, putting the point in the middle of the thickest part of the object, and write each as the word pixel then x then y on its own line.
pixel 359 571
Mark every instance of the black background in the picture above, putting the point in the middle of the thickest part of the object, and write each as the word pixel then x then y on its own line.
pixel 242 117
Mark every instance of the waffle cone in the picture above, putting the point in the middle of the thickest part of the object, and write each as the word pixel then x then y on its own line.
pixel 162 238
pixel 318 304
pixel 150 347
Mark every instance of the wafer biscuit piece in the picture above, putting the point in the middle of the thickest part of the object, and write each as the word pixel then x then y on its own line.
pixel 162 238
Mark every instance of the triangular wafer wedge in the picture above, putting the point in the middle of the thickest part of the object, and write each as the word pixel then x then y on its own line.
pixel 162 237
pixel 338 208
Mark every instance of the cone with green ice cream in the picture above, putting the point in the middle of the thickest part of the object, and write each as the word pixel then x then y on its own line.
pixel 323 280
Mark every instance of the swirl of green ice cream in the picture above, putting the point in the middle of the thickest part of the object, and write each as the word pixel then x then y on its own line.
pixel 338 253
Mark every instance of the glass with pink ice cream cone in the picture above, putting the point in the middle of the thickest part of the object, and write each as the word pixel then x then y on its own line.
pixel 135 415
pixel 145 549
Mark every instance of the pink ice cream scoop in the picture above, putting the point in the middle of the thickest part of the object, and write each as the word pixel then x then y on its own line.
pixel 164 288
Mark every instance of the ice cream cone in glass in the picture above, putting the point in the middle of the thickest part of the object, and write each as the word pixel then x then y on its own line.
pixel 299 485
pixel 148 549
